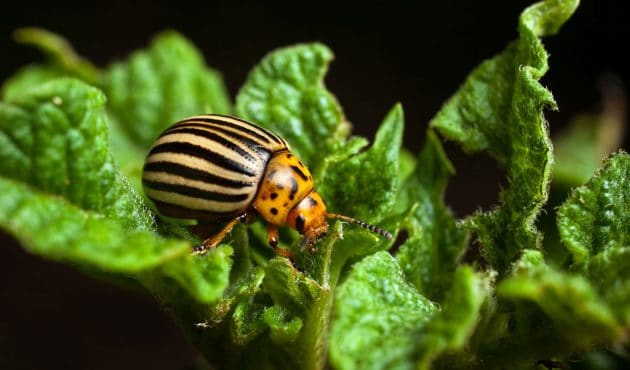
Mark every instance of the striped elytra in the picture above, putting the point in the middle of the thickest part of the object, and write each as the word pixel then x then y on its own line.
pixel 208 167
pixel 215 169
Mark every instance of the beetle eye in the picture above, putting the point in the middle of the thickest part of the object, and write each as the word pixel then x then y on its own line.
pixel 299 224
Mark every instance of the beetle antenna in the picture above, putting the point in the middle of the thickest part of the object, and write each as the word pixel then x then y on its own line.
pixel 372 228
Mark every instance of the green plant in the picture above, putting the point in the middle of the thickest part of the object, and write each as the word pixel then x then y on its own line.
pixel 70 161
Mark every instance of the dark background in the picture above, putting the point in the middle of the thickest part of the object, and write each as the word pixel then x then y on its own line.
pixel 52 316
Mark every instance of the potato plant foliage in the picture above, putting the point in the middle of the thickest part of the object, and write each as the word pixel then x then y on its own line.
pixel 73 139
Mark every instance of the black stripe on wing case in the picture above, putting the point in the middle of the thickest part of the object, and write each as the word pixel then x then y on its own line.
pixel 217 138
pixel 194 192
pixel 194 174
pixel 218 119
pixel 203 153
pixel 297 170
pixel 214 122
pixel 259 148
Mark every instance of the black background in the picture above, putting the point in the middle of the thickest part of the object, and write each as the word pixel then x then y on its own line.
pixel 52 316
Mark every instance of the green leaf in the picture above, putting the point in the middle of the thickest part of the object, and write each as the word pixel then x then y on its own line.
pixel 52 227
pixel 609 273
pixel 64 198
pixel 55 137
pixel 247 322
pixel 365 185
pixel 126 152
pixel 204 277
pixel 284 328
pixel 27 78
pixel 579 151
pixel 286 94
pixel 446 335
pixel 594 224
pixel 555 314
pixel 62 61
pixel 325 264
pixel 61 55
pixel 240 289
pixel 382 322
pixel 377 315
pixel 215 327
pixel 339 152
pixel 288 287
pixel 434 241
pixel 303 298
pixel 499 109
pixel 190 87
pixel 568 299
pixel 159 86
pixel 596 217
pixel 407 164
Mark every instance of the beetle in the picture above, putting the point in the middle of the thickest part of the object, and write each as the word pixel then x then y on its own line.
pixel 221 169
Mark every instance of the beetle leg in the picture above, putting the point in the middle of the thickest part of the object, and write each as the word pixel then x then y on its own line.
pixel 215 239
pixel 272 236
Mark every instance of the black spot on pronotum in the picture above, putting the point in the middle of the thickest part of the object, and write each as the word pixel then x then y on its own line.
pixel 274 211
pixel 312 201
pixel 299 224
pixel 274 195
pixel 289 155
pixel 297 170
pixel 294 186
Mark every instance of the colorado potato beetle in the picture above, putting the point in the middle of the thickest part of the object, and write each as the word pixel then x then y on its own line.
pixel 221 169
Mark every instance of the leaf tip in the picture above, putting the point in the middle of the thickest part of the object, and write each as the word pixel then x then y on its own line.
pixel 545 18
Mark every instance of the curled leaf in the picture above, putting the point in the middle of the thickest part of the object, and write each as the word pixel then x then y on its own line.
pixel 365 185
pixel 161 85
pixel 499 109
pixel 285 93
pixel 434 240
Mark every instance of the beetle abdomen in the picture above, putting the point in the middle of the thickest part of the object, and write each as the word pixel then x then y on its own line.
pixel 208 167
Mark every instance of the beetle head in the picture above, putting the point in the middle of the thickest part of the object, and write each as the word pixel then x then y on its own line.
pixel 308 217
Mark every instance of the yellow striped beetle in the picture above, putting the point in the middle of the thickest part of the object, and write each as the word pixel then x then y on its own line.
pixel 216 169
